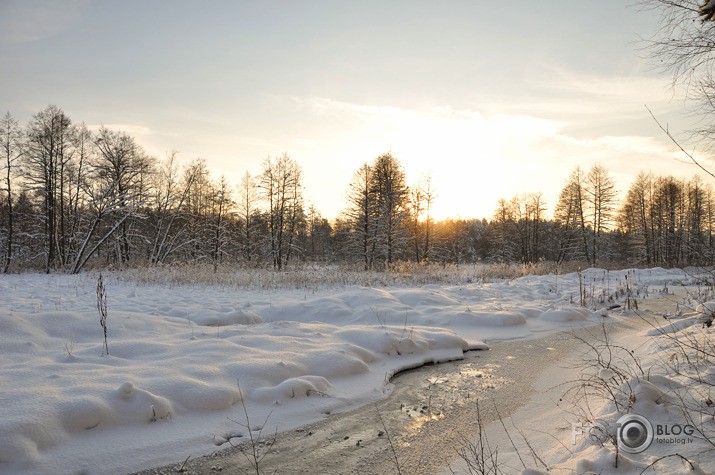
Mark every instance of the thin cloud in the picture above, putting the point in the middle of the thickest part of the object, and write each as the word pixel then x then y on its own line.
pixel 632 88
pixel 593 99
pixel 443 119
pixel 33 20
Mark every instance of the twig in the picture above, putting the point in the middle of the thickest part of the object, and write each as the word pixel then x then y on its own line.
pixel 670 136
pixel 506 431
pixel 692 467
pixel 183 465
pixel 389 440
pixel 102 308
pixel 254 459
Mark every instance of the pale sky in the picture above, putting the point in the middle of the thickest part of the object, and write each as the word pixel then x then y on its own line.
pixel 493 98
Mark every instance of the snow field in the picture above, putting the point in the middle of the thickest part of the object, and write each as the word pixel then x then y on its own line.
pixel 170 387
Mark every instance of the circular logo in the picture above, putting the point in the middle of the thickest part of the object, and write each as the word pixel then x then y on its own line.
pixel 635 433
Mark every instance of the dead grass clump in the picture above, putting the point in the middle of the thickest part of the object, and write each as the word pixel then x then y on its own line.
pixel 311 277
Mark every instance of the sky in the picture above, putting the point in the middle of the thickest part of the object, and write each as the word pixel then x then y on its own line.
pixel 491 99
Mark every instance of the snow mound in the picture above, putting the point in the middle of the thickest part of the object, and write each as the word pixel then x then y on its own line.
pixel 706 307
pixel 566 315
pixel 673 327
pixel 138 405
pixel 292 388
pixel 237 317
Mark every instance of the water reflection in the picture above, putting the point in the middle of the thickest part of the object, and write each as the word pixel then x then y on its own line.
pixel 454 388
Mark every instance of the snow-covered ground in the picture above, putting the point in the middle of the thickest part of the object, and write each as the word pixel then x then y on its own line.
pixel 657 379
pixel 182 357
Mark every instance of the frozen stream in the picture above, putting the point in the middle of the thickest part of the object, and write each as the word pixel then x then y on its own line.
pixel 428 414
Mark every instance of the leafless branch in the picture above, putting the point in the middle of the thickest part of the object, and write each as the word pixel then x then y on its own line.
pixel 670 136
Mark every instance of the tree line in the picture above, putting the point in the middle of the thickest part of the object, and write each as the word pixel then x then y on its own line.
pixel 70 196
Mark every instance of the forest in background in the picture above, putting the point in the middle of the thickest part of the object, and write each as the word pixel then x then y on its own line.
pixel 72 197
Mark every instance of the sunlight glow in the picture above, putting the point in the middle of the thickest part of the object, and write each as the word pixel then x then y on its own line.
pixel 468 155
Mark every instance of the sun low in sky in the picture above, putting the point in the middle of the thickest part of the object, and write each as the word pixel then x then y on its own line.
pixel 492 99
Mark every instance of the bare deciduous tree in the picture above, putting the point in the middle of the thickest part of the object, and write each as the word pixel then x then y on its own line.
pixel 247 211
pixel 48 146
pixel 104 201
pixel 503 231
pixel 600 197
pixel 570 213
pixel 683 46
pixel 11 143
pixel 171 194
pixel 121 162
pixel 361 216
pixel 223 206
pixel 429 195
pixel 636 220
pixel 416 208
pixel 281 184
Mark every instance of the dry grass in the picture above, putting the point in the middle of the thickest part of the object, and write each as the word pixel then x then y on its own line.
pixel 314 277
